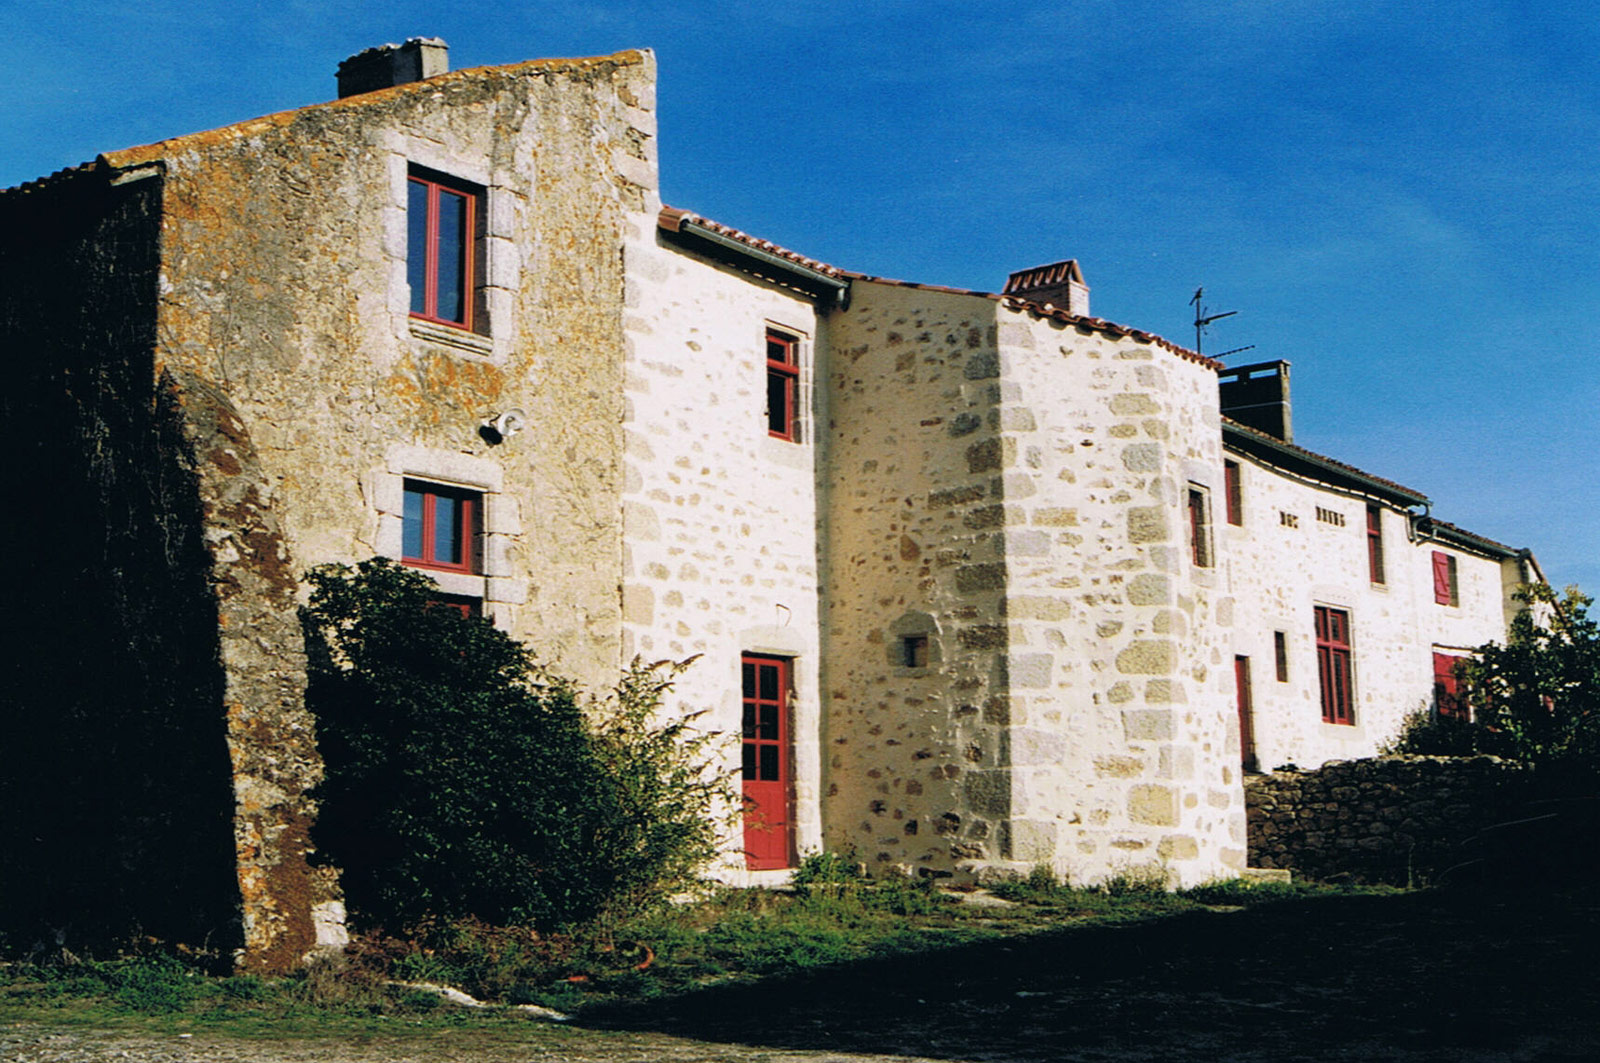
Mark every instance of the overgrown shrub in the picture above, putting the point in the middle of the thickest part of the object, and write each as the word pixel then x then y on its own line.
pixel 672 798
pixel 463 779
pixel 1535 699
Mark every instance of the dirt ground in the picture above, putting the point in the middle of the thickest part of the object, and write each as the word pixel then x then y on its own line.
pixel 1422 978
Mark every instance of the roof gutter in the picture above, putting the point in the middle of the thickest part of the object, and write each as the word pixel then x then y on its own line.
pixel 776 268
pixel 1298 460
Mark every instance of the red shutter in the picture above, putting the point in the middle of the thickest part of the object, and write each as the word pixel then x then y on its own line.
pixel 1441 577
pixel 1446 687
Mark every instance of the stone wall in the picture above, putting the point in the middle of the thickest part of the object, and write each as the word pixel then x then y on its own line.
pixel 249 284
pixel 1303 544
pixel 720 552
pixel 1011 486
pixel 1397 820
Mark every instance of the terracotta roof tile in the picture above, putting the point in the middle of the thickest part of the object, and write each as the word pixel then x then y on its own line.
pixel 1109 328
pixel 1470 538
pixel 672 218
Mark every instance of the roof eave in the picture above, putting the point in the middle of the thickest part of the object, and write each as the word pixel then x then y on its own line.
pixel 1297 460
pixel 694 236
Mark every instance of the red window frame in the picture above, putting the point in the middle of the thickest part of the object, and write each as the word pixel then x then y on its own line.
pixel 783 382
pixel 1199 527
pixel 1234 491
pixel 1446 589
pixel 1333 665
pixel 421 531
pixel 766 771
pixel 1374 542
pixel 467 606
pixel 1447 687
pixel 424 273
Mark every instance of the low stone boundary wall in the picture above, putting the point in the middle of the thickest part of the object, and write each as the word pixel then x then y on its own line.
pixel 1395 820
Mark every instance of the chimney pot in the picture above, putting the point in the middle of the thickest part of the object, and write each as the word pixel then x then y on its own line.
pixel 1059 284
pixel 388 65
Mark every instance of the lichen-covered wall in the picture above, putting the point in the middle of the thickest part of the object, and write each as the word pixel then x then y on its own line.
pixel 308 394
pixel 1013 487
pixel 283 281
pixel 1285 559
pixel 720 545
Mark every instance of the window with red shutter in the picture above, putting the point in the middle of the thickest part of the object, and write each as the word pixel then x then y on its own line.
pixel 1199 526
pixel 1230 476
pixel 1445 589
pixel 1333 665
pixel 1447 687
pixel 1375 542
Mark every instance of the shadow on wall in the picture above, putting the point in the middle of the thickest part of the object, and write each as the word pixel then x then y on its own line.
pixel 115 787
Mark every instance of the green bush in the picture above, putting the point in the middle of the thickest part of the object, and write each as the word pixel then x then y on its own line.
pixel 464 781
pixel 1535 699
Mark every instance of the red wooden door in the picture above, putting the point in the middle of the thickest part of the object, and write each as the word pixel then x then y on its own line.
pixel 1247 731
pixel 768 827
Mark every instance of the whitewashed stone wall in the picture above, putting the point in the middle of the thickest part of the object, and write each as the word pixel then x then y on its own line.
pixel 1014 487
pixel 1278 571
pixel 720 520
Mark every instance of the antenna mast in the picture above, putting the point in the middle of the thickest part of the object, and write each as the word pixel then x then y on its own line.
pixel 1203 318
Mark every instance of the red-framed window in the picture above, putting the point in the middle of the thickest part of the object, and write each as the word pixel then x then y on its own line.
pixel 440 527
pixel 1445 589
pixel 1199 527
pixel 441 222
pixel 783 385
pixel 1447 698
pixel 1333 665
pixel 765 761
pixel 1234 491
pixel 1374 542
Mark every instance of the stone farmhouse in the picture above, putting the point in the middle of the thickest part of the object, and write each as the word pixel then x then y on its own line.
pixel 978 580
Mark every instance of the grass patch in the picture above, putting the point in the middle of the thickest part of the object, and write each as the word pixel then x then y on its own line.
pixel 835 916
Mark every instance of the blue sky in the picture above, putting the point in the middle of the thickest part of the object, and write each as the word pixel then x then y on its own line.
pixel 1401 199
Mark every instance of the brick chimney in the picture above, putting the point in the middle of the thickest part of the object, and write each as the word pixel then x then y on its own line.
pixel 393 64
pixel 1258 395
pixel 1060 284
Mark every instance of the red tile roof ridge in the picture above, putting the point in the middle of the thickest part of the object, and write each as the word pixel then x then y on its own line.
pixel 40 183
pixel 1247 430
pixel 146 153
pixel 1110 328
pixel 672 219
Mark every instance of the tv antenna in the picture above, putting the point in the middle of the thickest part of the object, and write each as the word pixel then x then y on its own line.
pixel 1203 318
